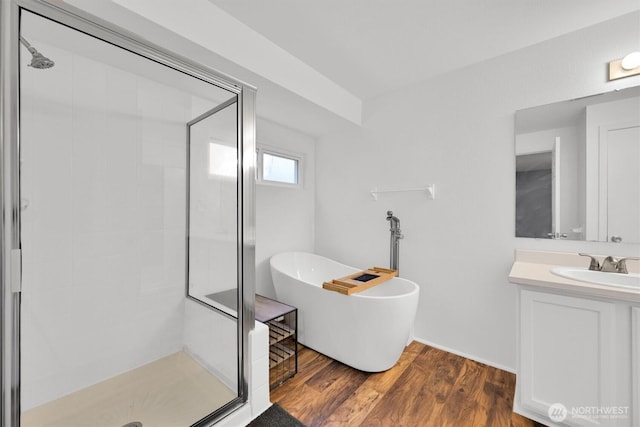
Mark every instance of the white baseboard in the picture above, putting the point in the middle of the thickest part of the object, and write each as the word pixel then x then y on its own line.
pixel 466 356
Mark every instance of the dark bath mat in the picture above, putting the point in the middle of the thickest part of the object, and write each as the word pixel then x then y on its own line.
pixel 275 416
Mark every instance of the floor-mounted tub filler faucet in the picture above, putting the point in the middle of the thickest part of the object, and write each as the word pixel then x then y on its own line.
pixel 396 235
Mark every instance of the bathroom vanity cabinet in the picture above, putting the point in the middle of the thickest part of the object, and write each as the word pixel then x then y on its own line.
pixel 578 345
pixel 282 320
pixel 581 352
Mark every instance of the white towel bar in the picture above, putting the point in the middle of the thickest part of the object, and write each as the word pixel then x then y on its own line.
pixel 429 190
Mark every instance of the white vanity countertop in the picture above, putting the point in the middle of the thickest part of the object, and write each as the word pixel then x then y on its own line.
pixel 533 268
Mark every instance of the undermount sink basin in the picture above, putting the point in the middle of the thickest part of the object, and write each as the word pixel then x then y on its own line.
pixel 630 280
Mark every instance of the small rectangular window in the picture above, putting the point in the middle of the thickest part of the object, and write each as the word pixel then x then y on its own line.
pixel 277 168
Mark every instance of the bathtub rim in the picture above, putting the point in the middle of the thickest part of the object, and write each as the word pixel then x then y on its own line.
pixel 415 288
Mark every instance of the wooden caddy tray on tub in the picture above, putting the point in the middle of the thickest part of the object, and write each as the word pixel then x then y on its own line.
pixel 360 281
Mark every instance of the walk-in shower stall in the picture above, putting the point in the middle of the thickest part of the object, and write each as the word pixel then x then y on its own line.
pixel 127 255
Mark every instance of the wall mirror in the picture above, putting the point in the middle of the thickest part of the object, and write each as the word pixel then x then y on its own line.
pixel 578 169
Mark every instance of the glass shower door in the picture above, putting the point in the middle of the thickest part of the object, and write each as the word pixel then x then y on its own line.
pixel 111 333
pixel 213 216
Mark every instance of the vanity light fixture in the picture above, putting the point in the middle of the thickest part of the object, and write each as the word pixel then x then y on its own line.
pixel 631 61
pixel 625 67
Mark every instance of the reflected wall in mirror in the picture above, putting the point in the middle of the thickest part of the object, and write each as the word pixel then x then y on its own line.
pixel 578 169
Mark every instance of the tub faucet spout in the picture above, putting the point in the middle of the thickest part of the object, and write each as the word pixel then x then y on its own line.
pixel 394 221
pixel 395 236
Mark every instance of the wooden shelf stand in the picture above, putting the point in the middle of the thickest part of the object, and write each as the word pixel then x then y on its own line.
pixel 282 320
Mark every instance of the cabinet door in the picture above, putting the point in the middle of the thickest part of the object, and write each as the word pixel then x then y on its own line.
pixel 567 353
pixel 635 364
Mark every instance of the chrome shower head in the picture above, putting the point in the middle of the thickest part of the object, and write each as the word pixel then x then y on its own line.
pixel 38 60
pixel 41 62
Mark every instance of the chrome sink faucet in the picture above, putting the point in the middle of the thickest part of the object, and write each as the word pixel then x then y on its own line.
pixel 609 264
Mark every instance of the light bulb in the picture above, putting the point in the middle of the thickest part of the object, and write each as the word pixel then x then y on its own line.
pixel 631 61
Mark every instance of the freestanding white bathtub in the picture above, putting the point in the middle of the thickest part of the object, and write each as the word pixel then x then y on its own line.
pixel 367 330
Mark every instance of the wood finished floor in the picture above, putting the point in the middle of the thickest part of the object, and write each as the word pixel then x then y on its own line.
pixel 427 387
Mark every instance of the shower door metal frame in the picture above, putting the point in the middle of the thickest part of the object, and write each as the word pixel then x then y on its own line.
pixel 226 104
pixel 10 267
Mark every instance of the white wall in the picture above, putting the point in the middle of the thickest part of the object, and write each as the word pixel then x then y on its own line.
pixel 623 112
pixel 211 339
pixel 284 216
pixel 457 131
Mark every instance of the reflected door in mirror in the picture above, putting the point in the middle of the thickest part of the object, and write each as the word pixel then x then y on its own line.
pixel 534 195
pixel 620 183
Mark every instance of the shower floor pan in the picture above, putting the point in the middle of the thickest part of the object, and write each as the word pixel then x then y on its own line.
pixel 172 391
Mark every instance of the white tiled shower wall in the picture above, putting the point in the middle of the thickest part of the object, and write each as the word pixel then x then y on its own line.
pixel 103 182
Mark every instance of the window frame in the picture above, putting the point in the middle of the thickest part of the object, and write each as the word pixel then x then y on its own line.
pixel 285 154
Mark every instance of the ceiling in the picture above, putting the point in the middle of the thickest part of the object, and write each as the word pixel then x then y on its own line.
pixel 316 62
pixel 372 47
